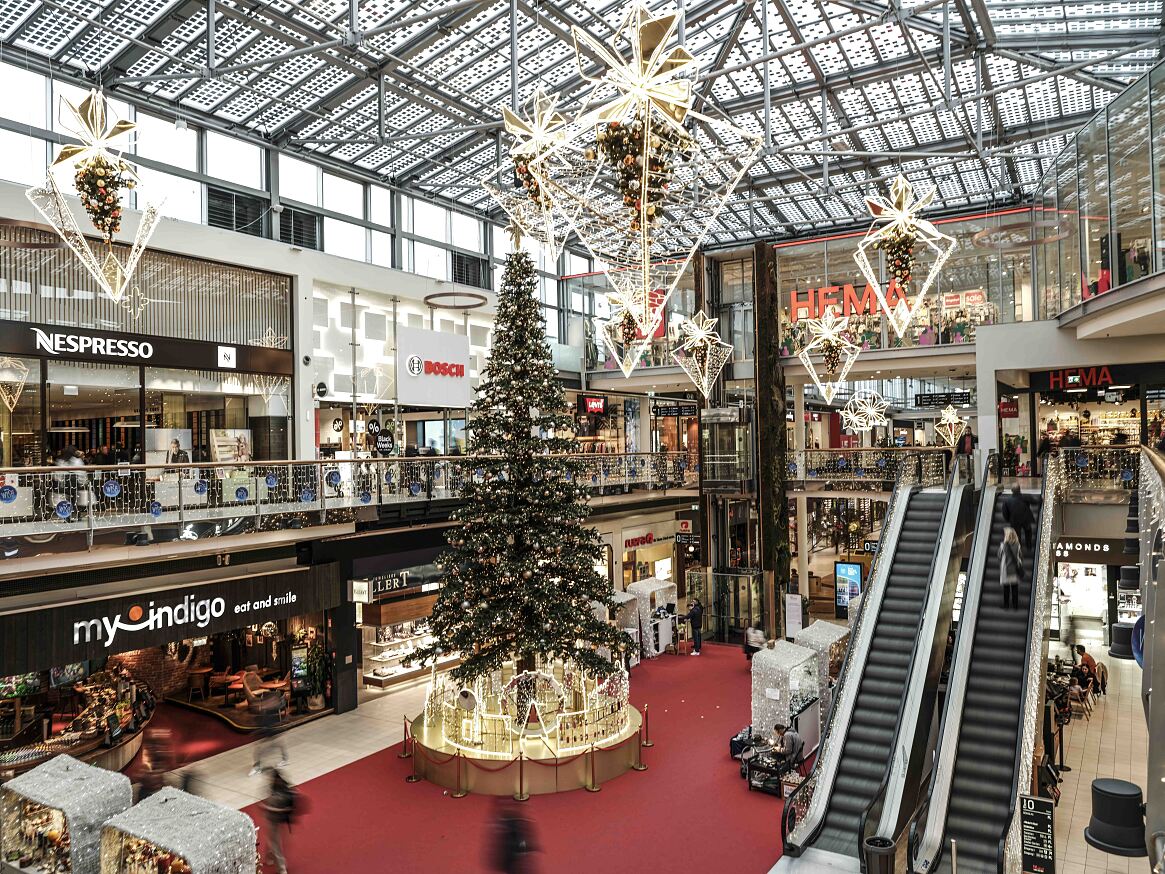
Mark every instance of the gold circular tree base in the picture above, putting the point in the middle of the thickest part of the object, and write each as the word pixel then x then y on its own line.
pixel 540 770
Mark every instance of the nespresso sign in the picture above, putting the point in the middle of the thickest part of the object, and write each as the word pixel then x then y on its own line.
pixel 114 347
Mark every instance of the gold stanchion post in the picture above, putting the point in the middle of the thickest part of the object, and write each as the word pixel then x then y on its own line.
pixel 405 751
pixel 413 777
pixel 647 742
pixel 521 794
pixel 639 766
pixel 594 787
pixel 460 793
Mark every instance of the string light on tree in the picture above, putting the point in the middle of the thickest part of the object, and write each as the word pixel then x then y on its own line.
pixel 897 230
pixel 949 426
pixel 702 353
pixel 827 338
pixel 864 411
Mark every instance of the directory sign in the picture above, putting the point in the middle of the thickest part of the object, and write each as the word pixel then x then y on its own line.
pixel 1035 817
pixel 848 585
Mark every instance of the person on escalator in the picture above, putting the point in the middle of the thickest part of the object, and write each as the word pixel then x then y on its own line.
pixel 1018 515
pixel 1010 568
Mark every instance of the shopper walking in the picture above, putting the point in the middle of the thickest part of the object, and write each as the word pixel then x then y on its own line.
pixel 754 639
pixel 695 618
pixel 1018 514
pixel 279 808
pixel 1010 568
pixel 269 739
pixel 513 840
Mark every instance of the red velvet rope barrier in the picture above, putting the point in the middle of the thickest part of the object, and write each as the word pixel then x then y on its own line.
pixel 425 753
pixel 491 770
pixel 619 744
pixel 557 763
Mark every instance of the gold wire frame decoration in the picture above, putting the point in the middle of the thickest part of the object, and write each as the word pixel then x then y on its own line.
pixel 624 339
pixel 112 275
pixel 949 426
pixel 864 411
pixel 644 214
pixel 702 354
pixel 897 229
pixel 13 377
pixel 827 338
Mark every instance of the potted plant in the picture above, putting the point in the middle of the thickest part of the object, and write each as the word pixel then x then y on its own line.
pixel 319 673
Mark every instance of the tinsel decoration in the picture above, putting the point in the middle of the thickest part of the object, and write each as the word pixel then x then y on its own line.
pixel 949 426
pixel 639 172
pixel 828 338
pixel 100 178
pixel 864 411
pixel 702 354
pixel 897 230
pixel 519 576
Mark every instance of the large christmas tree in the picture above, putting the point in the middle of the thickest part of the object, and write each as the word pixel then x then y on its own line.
pixel 519 574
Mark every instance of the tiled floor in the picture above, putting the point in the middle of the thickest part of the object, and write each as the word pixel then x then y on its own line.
pixel 313 749
pixel 1113 743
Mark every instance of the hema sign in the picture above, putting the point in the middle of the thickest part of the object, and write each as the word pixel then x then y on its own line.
pixel 432 368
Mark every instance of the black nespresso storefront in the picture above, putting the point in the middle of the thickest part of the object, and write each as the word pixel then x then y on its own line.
pixel 117 397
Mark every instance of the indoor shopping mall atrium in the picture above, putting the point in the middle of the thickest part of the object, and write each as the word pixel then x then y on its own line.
pixel 584 436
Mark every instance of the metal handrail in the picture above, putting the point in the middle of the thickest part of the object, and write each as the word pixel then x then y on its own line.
pixel 1010 861
pixel 956 685
pixel 795 834
pixel 873 819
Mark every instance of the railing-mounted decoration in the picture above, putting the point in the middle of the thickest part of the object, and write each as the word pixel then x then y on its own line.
pixel 864 411
pixel 702 354
pixel 897 230
pixel 638 173
pixel 828 338
pixel 101 178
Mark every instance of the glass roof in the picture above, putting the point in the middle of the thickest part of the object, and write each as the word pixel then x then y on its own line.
pixel 408 91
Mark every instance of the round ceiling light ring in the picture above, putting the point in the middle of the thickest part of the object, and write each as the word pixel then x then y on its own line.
pixel 55 243
pixel 456 300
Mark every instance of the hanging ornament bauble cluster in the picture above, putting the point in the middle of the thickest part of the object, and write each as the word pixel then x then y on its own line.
pixel 897 231
pixel 99 183
pixel 702 354
pixel 643 164
pixel 828 337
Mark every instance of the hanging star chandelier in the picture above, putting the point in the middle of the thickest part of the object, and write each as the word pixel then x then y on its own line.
pixel 624 339
pixel 13 377
pixel 702 354
pixel 100 178
pixel 864 411
pixel 897 231
pixel 949 426
pixel 828 338
pixel 639 173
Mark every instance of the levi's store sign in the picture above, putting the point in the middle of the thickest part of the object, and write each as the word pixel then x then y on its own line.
pixel 846 299
pixel 432 368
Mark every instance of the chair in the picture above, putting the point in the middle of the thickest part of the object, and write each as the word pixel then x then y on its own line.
pixel 194 684
pixel 222 680
pixel 1078 700
pixel 260 698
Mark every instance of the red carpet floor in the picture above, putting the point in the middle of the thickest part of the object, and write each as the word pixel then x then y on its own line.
pixel 194 736
pixel 689 811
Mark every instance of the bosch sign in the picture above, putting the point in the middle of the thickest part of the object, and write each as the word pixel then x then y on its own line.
pixel 434 368
pixel 444 368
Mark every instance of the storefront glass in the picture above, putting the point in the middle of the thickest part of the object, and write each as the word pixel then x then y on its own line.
pixel 94 408
pixel 20 414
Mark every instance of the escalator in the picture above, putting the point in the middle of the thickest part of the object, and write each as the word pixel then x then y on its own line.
pixel 876 712
pixel 975 779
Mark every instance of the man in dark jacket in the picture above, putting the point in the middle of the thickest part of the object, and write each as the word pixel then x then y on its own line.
pixel 1018 514
pixel 695 617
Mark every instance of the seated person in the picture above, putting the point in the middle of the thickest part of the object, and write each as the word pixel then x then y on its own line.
pixel 787 745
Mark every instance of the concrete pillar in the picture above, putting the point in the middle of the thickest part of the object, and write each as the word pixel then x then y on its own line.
pixel 302 393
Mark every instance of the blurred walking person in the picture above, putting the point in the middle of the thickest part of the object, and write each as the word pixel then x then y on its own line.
pixel 513 840
pixel 279 808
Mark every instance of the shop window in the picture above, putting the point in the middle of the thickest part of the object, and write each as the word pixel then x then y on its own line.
pixel 1130 169
pixel 1096 261
pixel 1068 210
pixel 299 228
pixel 1157 105
pixel 235 212
pixel 299 180
pixel 21 442
pixel 233 160
pixel 95 409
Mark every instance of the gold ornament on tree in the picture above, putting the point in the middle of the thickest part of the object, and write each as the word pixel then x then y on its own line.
pixel 897 230
pixel 702 354
pixel 101 176
pixel 828 338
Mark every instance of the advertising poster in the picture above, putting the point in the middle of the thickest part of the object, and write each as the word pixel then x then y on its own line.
pixel 230 446
pixel 848 582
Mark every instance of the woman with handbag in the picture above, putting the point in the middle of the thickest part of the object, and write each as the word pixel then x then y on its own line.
pixel 1010 568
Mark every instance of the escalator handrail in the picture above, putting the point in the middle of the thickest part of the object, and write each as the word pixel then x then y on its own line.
pixel 933 827
pixel 872 818
pixel 1036 647
pixel 794 835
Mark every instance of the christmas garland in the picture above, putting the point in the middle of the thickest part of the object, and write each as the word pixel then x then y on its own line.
pixel 99 182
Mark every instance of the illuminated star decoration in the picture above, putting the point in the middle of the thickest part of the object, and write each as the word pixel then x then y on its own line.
pixel 865 411
pixel 269 385
pixel 517 187
pixel 949 427
pixel 827 338
pixel 624 339
pixel 703 354
pixel 896 230
pixel 269 340
pixel 135 303
pixel 111 274
pixel 13 376
pixel 640 185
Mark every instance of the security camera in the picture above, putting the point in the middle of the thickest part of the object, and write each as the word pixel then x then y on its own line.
pixel 306 360
pixel 277 208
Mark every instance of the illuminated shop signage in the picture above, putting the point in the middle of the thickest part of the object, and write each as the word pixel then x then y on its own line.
pixel 1079 377
pixel 1097 550
pixel 844 298
pixel 82 344
pixel 595 405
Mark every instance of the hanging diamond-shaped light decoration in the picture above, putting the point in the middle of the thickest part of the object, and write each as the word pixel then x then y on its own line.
pixel 101 175
pixel 641 175
pixel 949 426
pixel 702 354
pixel 897 230
pixel 827 338
pixel 865 410
pixel 13 376
pixel 625 340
